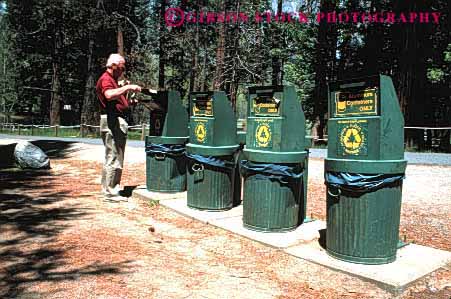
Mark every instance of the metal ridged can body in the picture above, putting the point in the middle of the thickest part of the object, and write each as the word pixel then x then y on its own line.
pixel 271 206
pixel 364 229
pixel 165 175
pixel 212 188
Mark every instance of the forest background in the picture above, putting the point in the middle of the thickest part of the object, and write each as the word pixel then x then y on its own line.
pixel 53 51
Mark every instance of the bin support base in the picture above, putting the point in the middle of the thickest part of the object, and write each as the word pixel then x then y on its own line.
pixel 362 260
pixel 209 210
pixel 269 230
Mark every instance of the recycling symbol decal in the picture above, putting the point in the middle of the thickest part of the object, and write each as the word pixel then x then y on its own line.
pixel 201 132
pixel 263 135
pixel 352 139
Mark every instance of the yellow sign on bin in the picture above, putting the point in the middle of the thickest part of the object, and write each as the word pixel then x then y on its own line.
pixel 263 135
pixel 201 132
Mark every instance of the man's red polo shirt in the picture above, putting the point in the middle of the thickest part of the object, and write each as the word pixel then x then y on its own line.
pixel 118 105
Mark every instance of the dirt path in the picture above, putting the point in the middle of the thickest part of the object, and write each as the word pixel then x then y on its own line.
pixel 59 240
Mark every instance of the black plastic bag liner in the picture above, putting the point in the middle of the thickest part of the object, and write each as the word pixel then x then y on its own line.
pixel 282 173
pixel 212 161
pixel 167 149
pixel 358 183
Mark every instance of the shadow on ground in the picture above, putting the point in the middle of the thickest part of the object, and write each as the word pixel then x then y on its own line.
pixel 31 218
pixel 55 149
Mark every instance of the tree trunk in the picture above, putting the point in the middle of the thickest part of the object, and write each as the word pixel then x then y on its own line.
pixel 89 112
pixel 161 64
pixel 193 82
pixel 218 83
pixel 259 55
pixel 55 95
pixel 234 78
pixel 120 40
pixel 411 75
pixel 277 43
pixel 4 83
pixel 203 85
pixel 180 70
pixel 324 67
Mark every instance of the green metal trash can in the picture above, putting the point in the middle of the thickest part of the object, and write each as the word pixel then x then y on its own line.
pixel 363 227
pixel 274 200
pixel 165 167
pixel 275 193
pixel 211 152
pixel 211 182
pixel 364 169
pixel 165 147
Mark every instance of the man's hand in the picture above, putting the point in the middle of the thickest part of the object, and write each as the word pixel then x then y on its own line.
pixel 112 94
pixel 134 87
pixel 123 83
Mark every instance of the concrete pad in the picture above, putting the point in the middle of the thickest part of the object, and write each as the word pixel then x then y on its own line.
pixel 141 193
pixel 231 220
pixel 305 233
pixel 180 206
pixel 412 263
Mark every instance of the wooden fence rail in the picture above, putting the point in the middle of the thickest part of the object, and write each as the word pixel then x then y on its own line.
pixel 55 131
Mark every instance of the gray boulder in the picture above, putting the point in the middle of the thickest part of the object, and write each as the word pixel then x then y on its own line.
pixel 28 155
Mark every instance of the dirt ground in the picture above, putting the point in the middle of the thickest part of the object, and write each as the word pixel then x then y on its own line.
pixel 58 239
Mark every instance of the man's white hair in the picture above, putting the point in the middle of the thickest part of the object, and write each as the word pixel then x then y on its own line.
pixel 115 59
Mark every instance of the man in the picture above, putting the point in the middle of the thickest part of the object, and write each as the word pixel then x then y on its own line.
pixel 113 126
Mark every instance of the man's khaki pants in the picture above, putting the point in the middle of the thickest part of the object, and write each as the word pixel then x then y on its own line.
pixel 114 136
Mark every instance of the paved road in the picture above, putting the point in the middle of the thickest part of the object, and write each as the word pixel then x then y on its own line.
pixel 412 158
pixel 132 143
